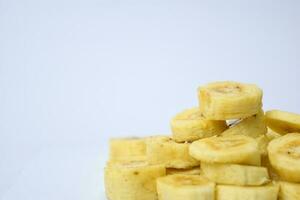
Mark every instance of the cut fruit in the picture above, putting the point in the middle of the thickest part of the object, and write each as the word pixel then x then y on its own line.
pixel 164 150
pixel 185 187
pixel 191 125
pixel 283 122
pixel 234 149
pixel 234 174
pixel 122 149
pixel 265 192
pixel 229 100
pixel 133 180
pixel 289 191
pixel 284 155
pixel 253 126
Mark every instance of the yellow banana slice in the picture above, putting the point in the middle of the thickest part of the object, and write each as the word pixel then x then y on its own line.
pixel 289 191
pixel 229 100
pixel 190 171
pixel 164 150
pixel 284 155
pixel 253 126
pixel 283 122
pixel 135 180
pixel 235 149
pixel 189 187
pixel 191 125
pixel 122 149
pixel 235 174
pixel 230 192
pixel 272 134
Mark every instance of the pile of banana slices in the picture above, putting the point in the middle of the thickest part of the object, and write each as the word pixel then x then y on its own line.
pixel 228 148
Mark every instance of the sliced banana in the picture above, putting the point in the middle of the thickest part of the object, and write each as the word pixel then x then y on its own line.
pixel 272 134
pixel 230 192
pixel 190 171
pixel 235 149
pixel 289 191
pixel 283 122
pixel 188 187
pixel 164 150
pixel 122 149
pixel 253 126
pixel 263 142
pixel 272 173
pixel 135 180
pixel 235 174
pixel 284 155
pixel 229 100
pixel 191 125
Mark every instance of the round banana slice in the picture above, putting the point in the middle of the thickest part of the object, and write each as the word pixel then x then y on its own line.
pixel 235 174
pixel 164 150
pixel 235 149
pixel 133 180
pixel 283 122
pixel 229 100
pixel 191 125
pixel 122 149
pixel 189 187
pixel 289 191
pixel 253 126
pixel 190 171
pixel 230 192
pixel 284 155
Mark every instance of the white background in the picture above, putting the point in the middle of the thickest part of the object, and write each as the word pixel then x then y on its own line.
pixel 75 73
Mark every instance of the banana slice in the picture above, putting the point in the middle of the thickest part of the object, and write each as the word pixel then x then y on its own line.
pixel 289 191
pixel 265 192
pixel 272 134
pixel 229 100
pixel 272 173
pixel 189 187
pixel 263 142
pixel 191 125
pixel 191 171
pixel 234 174
pixel 235 149
pixel 253 126
pixel 164 150
pixel 283 122
pixel 122 149
pixel 284 155
pixel 135 180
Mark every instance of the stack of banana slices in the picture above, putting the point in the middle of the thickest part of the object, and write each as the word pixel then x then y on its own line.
pixel 228 148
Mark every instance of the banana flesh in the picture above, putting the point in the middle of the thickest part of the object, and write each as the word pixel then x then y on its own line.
pixel 234 149
pixel 191 125
pixel 189 187
pixel 122 149
pixel 289 191
pixel 284 155
pixel 253 126
pixel 190 171
pixel 132 180
pixel 283 122
pixel 234 174
pixel 229 100
pixel 164 150
pixel 230 192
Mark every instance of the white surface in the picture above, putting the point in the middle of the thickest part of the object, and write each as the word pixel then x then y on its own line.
pixel 75 73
